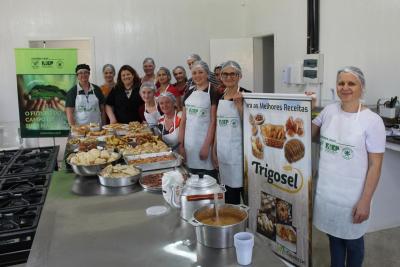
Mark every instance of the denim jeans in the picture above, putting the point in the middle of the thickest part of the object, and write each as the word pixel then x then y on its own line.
pixel 346 252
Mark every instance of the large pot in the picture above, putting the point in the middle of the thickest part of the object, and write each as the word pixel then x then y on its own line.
pixel 219 233
pixel 199 191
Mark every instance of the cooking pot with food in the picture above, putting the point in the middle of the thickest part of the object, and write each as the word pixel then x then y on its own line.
pixel 198 191
pixel 216 226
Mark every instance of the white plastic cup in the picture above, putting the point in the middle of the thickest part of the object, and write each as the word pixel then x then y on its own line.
pixel 244 243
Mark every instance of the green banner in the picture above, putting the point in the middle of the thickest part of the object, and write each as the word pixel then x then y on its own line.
pixel 44 76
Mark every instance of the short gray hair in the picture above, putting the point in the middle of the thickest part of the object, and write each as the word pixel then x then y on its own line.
pixel 149 59
pixel 233 64
pixel 195 57
pixel 148 85
pixel 108 66
pixel 169 95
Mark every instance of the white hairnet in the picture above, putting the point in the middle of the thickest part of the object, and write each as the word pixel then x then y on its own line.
pixel 169 95
pixel 195 57
pixel 148 85
pixel 233 64
pixel 201 64
pixel 109 66
pixel 166 72
pixel 149 59
pixel 356 72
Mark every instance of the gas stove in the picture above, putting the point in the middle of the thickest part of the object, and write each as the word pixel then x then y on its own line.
pixel 24 179
pixel 6 157
pixel 33 160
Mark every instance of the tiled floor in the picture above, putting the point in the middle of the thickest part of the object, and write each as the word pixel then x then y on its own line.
pixel 382 249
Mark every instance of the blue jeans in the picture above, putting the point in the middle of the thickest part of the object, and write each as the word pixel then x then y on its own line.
pixel 346 251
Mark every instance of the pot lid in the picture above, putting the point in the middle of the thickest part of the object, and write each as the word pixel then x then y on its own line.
pixel 195 181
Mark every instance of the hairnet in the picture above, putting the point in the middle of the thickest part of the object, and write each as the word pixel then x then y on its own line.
pixel 109 66
pixel 233 64
pixel 166 71
pixel 201 64
pixel 148 85
pixel 195 57
pixel 169 95
pixel 356 72
pixel 82 67
pixel 179 67
pixel 149 59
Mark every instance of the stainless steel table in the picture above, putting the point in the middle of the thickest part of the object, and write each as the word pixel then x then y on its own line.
pixel 115 231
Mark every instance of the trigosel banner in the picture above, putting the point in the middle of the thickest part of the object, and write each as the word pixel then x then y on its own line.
pixel 277 172
pixel 44 76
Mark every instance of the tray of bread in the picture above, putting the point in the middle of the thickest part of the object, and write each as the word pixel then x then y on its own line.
pixel 154 161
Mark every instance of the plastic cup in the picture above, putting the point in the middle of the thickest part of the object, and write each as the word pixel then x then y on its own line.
pixel 244 243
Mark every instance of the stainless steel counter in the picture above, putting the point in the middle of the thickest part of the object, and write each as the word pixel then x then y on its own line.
pixel 115 231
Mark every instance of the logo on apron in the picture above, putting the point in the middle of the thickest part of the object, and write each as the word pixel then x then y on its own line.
pixel 347 153
pixel 331 148
pixel 193 111
pixel 223 122
pixel 234 123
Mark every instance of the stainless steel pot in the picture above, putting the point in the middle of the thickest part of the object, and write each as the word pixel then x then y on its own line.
pixel 90 170
pixel 119 182
pixel 219 236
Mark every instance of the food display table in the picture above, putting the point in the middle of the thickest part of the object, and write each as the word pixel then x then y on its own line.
pixel 114 230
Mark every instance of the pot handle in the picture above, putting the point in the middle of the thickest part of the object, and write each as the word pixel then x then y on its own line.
pixel 195 222
pixel 174 196
pixel 242 206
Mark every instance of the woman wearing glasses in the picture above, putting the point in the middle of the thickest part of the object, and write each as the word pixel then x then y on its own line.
pixel 227 152
pixel 170 121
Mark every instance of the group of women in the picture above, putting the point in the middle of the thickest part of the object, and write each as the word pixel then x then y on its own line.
pixel 192 114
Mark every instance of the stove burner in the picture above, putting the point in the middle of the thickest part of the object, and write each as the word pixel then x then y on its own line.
pixel 28 167
pixel 19 219
pixel 24 183
pixel 17 199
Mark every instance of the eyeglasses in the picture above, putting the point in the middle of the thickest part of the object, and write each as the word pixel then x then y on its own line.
pixel 225 75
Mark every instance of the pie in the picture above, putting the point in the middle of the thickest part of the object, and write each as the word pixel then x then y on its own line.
pixel 286 233
pixel 294 150
pixel 152 180
pixel 147 160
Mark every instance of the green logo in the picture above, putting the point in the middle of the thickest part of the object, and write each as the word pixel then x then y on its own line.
pixel 223 122
pixel 202 113
pixel 347 153
pixel 234 123
pixel 60 64
pixel 35 63
pixel 193 111
pixel 331 148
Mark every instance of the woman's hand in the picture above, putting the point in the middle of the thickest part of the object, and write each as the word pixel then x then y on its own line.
pixel 238 100
pixel 181 151
pixel 313 98
pixel 204 152
pixel 361 211
pixel 214 159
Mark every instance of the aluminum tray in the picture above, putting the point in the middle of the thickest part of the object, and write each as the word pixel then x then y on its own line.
pixel 155 165
pixel 157 189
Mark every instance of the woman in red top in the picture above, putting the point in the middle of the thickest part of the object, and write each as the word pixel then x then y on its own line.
pixel 179 73
pixel 164 79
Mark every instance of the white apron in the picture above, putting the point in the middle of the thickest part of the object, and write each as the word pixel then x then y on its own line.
pixel 198 116
pixel 229 144
pixel 151 118
pixel 172 138
pixel 342 171
pixel 87 108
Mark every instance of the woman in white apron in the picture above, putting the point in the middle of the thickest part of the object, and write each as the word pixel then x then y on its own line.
pixel 352 145
pixel 85 102
pixel 169 122
pixel 228 147
pixel 151 113
pixel 196 134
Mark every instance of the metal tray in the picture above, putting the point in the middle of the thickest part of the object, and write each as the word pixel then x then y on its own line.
pixel 157 189
pixel 177 161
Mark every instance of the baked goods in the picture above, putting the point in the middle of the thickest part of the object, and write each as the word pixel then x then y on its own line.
pixel 79 130
pixel 92 157
pixel 254 130
pixel 259 119
pixel 119 171
pixel 283 211
pixel 286 233
pixel 147 160
pixel 153 147
pixel 96 133
pixel 135 126
pixel 294 150
pixel 251 119
pixel 294 126
pixel 257 147
pixel 115 126
pixel 152 181
pixel 274 135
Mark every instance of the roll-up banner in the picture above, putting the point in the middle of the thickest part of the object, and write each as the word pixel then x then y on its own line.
pixel 44 76
pixel 277 172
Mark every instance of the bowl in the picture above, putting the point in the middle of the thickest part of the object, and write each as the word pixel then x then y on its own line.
pixel 119 182
pixel 90 170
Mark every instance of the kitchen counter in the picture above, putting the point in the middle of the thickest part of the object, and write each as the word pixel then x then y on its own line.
pixel 115 231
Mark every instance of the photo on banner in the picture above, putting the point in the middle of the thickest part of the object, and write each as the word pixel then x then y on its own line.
pixel 277 171
pixel 44 76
